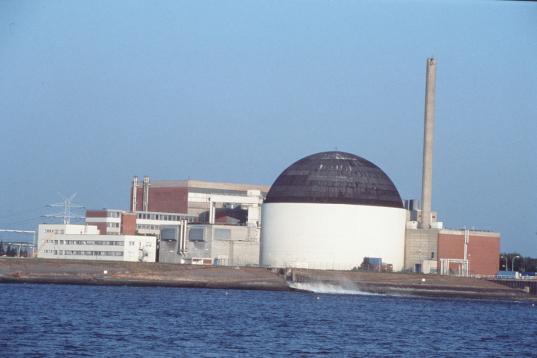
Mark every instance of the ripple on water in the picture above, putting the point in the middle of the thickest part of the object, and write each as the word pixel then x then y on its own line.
pixel 56 320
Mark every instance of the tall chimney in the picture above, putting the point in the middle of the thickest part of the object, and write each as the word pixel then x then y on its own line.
pixel 145 199
pixel 428 134
pixel 134 201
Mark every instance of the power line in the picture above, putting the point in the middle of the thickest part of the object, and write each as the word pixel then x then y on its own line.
pixel 26 211
pixel 23 221
pixel 67 205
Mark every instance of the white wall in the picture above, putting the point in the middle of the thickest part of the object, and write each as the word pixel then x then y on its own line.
pixel 139 248
pixel 74 229
pixel 331 236
pixel 53 243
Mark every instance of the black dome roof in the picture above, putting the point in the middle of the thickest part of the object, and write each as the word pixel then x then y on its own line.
pixel 336 178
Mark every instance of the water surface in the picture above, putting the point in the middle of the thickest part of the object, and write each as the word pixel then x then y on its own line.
pixel 59 320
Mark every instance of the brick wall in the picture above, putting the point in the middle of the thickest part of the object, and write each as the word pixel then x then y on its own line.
pixel 96 213
pixel 168 199
pixel 128 224
pixel 101 226
pixel 483 250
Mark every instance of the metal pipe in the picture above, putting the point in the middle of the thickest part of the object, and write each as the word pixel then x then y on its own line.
pixel 428 138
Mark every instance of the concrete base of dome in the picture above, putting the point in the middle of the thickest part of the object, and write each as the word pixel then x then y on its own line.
pixel 331 236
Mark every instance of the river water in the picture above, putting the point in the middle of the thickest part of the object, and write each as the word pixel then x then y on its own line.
pixel 60 320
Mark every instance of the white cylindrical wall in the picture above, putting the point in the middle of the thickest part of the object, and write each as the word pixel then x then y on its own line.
pixel 331 236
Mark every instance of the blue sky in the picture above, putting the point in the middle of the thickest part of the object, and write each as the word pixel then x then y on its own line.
pixel 94 92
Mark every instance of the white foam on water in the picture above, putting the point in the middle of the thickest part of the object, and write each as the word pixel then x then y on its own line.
pixel 326 288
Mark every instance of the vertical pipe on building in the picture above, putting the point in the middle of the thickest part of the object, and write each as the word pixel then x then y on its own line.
pixel 211 211
pixel 134 199
pixel 184 227
pixel 145 200
pixel 428 137
pixel 466 242
pixel 182 240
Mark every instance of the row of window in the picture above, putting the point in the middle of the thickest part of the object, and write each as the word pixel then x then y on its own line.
pixel 132 243
pixel 147 227
pixel 164 217
pixel 84 253
pixel 84 242
pixel 113 214
pixel 112 225
pixel 54 231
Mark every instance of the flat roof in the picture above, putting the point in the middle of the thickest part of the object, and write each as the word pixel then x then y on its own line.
pixel 202 184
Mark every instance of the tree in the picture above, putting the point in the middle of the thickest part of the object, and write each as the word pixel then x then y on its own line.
pixel 11 251
pixel 2 251
pixel 520 263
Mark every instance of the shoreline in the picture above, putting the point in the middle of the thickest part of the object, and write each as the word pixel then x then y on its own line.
pixel 114 273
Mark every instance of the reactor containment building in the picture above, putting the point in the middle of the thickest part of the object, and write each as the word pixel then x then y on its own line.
pixel 331 210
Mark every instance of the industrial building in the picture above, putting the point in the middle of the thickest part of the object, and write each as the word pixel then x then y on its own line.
pixel 331 210
pixel 85 242
pixel 194 221
pixel 209 244
pixel 461 252
pixel 221 221
pixel 196 197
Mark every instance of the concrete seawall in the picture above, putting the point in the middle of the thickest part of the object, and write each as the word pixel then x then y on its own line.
pixel 13 270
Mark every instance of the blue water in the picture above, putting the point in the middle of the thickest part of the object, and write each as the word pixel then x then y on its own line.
pixel 57 320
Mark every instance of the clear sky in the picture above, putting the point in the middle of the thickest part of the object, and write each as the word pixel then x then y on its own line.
pixel 95 92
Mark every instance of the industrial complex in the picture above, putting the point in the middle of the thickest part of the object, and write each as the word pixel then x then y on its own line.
pixel 329 211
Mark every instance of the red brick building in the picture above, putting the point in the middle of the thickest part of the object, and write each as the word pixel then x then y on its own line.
pixel 452 252
pixel 482 250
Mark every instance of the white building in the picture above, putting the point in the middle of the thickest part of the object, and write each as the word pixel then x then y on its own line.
pixel 84 242
pixel 330 211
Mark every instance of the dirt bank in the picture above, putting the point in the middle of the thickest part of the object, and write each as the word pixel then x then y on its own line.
pixel 158 274
pixel 139 274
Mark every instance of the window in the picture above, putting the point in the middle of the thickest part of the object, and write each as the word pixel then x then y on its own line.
pixel 195 234
pixel 222 234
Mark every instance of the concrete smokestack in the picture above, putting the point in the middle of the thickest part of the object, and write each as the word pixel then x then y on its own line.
pixel 428 138
pixel 134 194
pixel 145 198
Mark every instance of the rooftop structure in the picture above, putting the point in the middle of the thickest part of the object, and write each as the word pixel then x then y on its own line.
pixel 336 178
